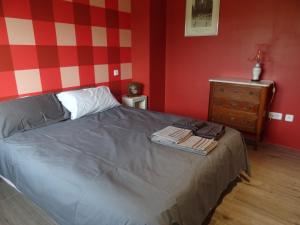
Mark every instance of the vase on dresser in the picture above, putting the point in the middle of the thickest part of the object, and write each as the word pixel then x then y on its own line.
pixel 256 72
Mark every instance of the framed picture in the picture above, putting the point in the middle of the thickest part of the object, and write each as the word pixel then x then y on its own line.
pixel 202 17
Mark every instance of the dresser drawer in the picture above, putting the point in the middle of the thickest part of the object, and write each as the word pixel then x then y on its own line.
pixel 236 105
pixel 240 120
pixel 236 92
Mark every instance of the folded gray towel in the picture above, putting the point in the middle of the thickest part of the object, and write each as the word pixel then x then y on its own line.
pixel 202 128
pixel 190 124
pixel 211 131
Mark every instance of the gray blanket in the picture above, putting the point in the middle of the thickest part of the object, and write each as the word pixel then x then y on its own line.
pixel 103 169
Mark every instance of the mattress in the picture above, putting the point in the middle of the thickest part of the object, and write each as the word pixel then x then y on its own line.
pixel 103 169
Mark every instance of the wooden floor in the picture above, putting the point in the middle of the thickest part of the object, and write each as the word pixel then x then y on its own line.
pixel 272 197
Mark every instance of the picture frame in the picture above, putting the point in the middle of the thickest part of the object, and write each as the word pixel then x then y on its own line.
pixel 202 17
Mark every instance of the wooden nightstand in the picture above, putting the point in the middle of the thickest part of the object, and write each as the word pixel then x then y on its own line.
pixel 139 102
pixel 240 104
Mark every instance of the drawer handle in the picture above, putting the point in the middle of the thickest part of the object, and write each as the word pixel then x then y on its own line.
pixel 232 118
pixel 234 104
pixel 222 89
pixel 251 93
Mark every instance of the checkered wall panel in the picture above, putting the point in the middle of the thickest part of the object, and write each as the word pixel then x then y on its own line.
pixel 52 45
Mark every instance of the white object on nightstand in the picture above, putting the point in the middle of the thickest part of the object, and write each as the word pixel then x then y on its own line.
pixel 139 102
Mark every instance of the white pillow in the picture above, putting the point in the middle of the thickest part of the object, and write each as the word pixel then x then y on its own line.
pixel 87 101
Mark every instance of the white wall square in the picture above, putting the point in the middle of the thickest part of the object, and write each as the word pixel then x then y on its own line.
pixel 125 38
pixel 99 36
pixel 125 5
pixel 65 34
pixel 101 73
pixel 126 71
pixel 70 76
pixel 28 81
pixel 98 3
pixel 20 31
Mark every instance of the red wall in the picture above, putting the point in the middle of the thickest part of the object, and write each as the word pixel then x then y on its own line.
pixel 244 26
pixel 141 43
pixel 51 45
pixel 157 54
pixel 148 49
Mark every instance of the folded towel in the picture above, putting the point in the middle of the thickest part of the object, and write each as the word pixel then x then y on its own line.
pixel 171 134
pixel 203 129
pixel 211 131
pixel 182 139
pixel 190 124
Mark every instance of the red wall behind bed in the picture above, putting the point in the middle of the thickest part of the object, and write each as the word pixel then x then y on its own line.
pixel 273 26
pixel 51 45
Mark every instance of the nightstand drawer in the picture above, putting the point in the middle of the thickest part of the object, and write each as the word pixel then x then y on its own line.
pixel 237 105
pixel 235 92
pixel 236 119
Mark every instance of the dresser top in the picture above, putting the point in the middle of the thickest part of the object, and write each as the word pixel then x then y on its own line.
pixel 264 83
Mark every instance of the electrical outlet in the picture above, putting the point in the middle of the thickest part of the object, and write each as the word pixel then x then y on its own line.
pixel 116 73
pixel 275 116
pixel 289 118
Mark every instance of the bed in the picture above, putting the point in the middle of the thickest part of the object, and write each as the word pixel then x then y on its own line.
pixel 102 169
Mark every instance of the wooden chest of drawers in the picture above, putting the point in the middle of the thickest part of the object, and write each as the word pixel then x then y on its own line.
pixel 240 104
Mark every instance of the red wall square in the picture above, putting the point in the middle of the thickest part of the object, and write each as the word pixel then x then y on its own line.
pixel 1 10
pixel 98 17
pixel 113 37
pixel 85 55
pixel 83 35
pixel 16 8
pixel 3 32
pixel 124 20
pixel 100 55
pixel 113 55
pixel 41 10
pixel 125 55
pixel 63 11
pixel 8 86
pixel 50 78
pixel 86 2
pixel 111 4
pixel 44 33
pixel 67 55
pixel 82 14
pixel 87 75
pixel 112 18
pixel 5 58
pixel 47 56
pixel 24 57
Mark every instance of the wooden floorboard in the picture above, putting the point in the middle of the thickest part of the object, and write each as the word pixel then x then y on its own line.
pixel 272 197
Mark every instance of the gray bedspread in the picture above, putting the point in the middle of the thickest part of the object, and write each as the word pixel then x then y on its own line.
pixel 103 169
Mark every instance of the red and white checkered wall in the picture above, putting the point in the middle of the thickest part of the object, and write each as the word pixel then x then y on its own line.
pixel 51 45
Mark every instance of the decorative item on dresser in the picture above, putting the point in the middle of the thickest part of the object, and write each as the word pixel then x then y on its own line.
pixel 241 104
pixel 257 69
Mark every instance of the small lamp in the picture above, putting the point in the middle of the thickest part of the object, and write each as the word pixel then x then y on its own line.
pixel 135 89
